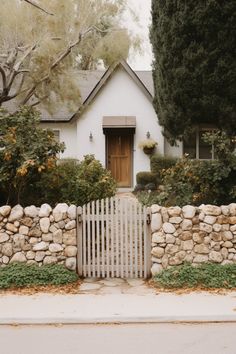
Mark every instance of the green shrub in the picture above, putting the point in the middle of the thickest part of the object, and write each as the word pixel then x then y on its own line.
pixel 196 182
pixel 201 181
pixel 150 187
pixel 74 182
pixel 139 187
pixel 22 275
pixel 145 177
pixel 207 275
pixel 148 198
pixel 160 163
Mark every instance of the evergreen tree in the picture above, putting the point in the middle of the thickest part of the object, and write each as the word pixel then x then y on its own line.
pixel 194 69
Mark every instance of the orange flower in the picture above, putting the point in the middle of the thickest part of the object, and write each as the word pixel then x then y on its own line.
pixel 7 156
pixel 41 168
pixel 22 171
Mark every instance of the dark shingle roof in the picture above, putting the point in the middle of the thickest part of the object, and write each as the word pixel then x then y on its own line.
pixel 87 80
pixel 147 80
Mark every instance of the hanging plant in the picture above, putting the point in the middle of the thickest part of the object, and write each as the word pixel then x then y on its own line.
pixel 148 146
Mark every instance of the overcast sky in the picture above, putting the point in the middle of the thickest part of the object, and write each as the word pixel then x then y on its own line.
pixel 143 9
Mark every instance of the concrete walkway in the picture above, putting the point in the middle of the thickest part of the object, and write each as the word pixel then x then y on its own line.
pixel 117 301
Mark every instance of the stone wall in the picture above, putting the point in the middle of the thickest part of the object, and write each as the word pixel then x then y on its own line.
pixel 191 234
pixel 38 235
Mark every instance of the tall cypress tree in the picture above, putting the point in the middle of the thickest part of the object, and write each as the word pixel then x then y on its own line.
pixel 194 69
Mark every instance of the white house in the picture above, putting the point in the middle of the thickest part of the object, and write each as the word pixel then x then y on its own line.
pixel 116 114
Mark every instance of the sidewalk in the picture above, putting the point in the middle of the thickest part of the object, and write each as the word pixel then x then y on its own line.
pixel 117 308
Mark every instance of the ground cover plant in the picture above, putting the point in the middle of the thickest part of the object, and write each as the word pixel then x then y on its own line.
pixel 207 275
pixel 25 275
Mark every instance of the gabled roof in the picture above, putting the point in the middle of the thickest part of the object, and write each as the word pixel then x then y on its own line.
pixel 107 76
pixel 91 82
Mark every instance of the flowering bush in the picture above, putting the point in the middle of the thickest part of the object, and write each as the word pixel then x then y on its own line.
pixel 26 151
pixel 76 182
pixel 198 181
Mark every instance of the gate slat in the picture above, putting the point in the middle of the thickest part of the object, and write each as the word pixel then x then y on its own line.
pixel 145 240
pixel 84 242
pixel 107 238
pixel 131 240
pixel 117 237
pixel 89 239
pixel 122 237
pixel 98 237
pixel 112 238
pixel 140 241
pixel 93 240
pixel 103 239
pixel 126 250
pixel 136 241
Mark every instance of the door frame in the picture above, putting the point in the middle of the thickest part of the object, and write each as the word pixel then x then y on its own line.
pixel 125 132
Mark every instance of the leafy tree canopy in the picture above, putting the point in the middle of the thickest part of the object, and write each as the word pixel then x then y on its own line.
pixel 43 42
pixel 194 70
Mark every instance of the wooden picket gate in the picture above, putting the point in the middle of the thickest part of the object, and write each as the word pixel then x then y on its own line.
pixel 114 239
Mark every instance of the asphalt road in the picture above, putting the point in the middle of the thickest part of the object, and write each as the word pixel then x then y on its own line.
pixel 116 339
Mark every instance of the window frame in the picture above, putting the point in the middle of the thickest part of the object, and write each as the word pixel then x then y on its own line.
pixel 199 129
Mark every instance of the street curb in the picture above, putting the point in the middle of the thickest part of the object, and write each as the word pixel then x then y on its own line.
pixel 118 320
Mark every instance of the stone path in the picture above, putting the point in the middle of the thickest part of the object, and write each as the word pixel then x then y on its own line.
pixel 96 286
pixel 128 195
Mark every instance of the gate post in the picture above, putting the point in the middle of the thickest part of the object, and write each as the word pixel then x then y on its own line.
pixel 79 241
pixel 149 241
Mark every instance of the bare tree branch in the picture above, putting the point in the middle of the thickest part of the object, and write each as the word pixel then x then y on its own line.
pixel 31 2
pixel 18 64
pixel 4 79
pixel 15 67
pixel 62 56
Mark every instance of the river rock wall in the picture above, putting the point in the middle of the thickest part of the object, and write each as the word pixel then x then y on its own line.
pixel 193 234
pixel 38 235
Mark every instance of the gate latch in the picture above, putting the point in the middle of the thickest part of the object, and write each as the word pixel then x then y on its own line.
pixel 79 214
pixel 149 218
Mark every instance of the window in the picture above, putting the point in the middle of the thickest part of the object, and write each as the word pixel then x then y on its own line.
pixel 196 148
pixel 190 146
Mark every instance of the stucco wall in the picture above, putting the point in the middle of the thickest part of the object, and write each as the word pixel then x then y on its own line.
pixel 68 135
pixel 121 96
pixel 173 151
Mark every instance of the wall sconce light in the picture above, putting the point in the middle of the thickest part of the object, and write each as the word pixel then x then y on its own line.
pixel 90 137
pixel 148 135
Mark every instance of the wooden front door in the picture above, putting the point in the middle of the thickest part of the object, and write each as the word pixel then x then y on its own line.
pixel 119 158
